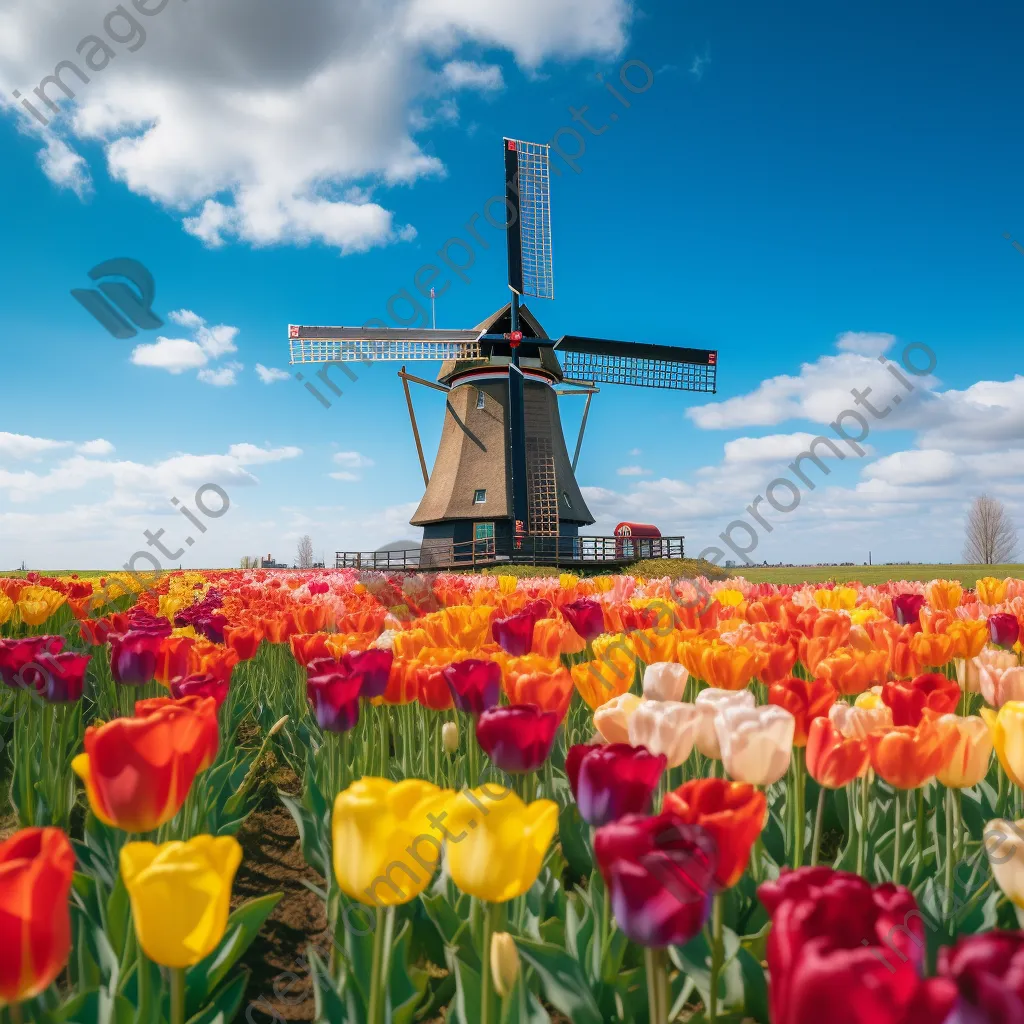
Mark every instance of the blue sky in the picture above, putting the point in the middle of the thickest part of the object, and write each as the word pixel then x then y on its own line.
pixel 800 188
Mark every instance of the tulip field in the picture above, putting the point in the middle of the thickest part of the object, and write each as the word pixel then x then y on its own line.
pixel 510 801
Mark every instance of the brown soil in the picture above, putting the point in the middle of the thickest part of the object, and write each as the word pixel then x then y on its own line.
pixel 280 987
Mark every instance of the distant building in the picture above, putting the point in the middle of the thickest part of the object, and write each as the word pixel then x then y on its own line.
pixel 269 563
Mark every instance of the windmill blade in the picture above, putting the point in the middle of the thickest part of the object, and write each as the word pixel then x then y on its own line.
pixel 645 366
pixel 380 344
pixel 528 213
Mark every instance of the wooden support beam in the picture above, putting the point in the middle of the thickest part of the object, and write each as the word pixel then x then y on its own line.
pixel 419 380
pixel 412 419
pixel 583 426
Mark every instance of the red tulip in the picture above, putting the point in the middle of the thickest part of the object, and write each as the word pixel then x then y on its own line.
pixel 514 634
pixel 95 631
pixel 243 640
pixel 1004 629
pixel 907 608
pixel 982 977
pixel 372 668
pixel 586 617
pixel 908 698
pixel 475 684
pixel 839 950
pixel 57 678
pixel 334 697
pixel 36 867
pixel 660 875
pixel 518 737
pixel 200 686
pixel 611 781
pixel 173 658
pixel 17 654
pixel 134 656
pixel 805 700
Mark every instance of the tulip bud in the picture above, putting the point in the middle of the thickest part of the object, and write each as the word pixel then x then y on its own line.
pixel 450 737
pixel 665 680
pixel 504 963
pixel 277 726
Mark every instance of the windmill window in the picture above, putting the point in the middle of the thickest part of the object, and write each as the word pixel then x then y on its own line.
pixel 565 498
pixel 479 399
pixel 480 496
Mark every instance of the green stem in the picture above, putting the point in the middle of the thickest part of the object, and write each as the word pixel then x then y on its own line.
pixel 657 985
pixel 819 816
pixel 949 849
pixel 491 911
pixel 919 830
pixel 865 811
pixel 177 975
pixel 898 815
pixel 716 954
pixel 799 822
pixel 376 1015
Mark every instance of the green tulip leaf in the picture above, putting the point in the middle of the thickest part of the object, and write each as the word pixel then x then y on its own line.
pixel 562 980
pixel 226 1002
pixel 243 926
pixel 95 1007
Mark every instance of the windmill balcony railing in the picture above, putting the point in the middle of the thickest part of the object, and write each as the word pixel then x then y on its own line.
pixel 522 550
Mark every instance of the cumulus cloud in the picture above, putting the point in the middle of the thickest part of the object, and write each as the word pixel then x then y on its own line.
pixel 270 374
pixel 175 355
pixel 222 377
pixel 97 447
pixel 352 460
pixel 252 119
pixel 23 446
pixel 632 471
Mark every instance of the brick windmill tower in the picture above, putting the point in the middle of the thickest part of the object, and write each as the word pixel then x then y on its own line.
pixel 503 480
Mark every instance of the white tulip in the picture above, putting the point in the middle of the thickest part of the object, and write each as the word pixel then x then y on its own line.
pixel 708 704
pixel 665 680
pixel 756 743
pixel 665 727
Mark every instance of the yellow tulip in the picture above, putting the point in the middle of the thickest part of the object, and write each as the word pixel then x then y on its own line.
pixel 496 843
pixel 379 832
pixel 504 963
pixel 6 608
pixel 180 895
pixel 507 584
pixel 968 764
pixel 1007 728
pixel 870 700
pixel 836 599
pixel 36 604
pixel 990 590
pixel 567 581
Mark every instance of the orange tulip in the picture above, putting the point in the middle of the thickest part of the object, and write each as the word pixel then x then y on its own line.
pixel 852 671
pixel 932 650
pixel 943 595
pixel 908 756
pixel 212 659
pixel 204 707
pixel 721 666
pixel 553 637
pixel 600 680
pixel 834 760
pixel 137 771
pixel 36 868
pixel 173 658
pixel 969 637
pixel 543 682
pixel 460 626
pixel 777 660
pixel 805 700
pixel 968 763
pixel 733 814
pixel 307 647
pixel 339 644
pixel 653 645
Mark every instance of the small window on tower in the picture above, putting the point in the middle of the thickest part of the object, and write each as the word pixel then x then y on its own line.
pixel 479 497
pixel 565 498
pixel 479 399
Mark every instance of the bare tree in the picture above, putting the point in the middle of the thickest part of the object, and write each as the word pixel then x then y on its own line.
pixel 991 535
pixel 304 553
pixel 249 562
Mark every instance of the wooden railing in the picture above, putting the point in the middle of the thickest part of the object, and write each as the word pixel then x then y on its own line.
pixel 526 550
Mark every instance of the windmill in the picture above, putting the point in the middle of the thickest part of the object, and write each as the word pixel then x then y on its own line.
pixel 503 475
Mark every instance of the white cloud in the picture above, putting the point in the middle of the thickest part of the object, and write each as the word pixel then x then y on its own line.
pixel 64 167
pixel 467 74
pixel 251 454
pixel 269 374
pixel 222 377
pixel 343 475
pixel 176 355
pixel 777 448
pixel 865 343
pixel 23 446
pixel 912 468
pixel 632 471
pixel 823 390
pixel 249 119
pixel 186 318
pixel 97 447
pixel 352 460
pixel 635 451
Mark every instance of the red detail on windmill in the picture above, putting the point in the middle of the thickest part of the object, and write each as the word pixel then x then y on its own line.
pixel 515 338
pixel 293 332
pixel 512 144
pixel 712 358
